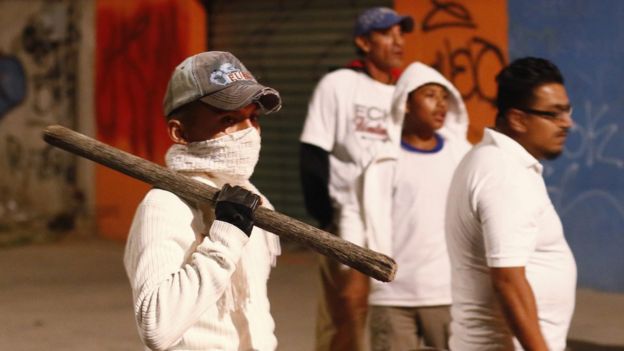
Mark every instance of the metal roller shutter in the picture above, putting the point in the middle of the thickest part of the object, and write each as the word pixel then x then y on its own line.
pixel 287 45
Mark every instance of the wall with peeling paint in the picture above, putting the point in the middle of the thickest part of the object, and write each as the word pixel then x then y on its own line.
pixel 138 45
pixel 586 183
pixel 42 193
pixel 98 67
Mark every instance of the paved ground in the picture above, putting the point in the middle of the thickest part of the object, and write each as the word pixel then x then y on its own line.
pixel 73 295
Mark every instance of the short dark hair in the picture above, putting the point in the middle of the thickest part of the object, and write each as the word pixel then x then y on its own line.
pixel 518 80
pixel 183 112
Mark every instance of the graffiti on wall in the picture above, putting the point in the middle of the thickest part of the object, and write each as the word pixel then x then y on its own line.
pixel 51 42
pixel 38 73
pixel 586 183
pixel 138 45
pixel 467 42
pixel 586 204
pixel 12 83
pixel 137 48
pixel 589 148
pixel 46 164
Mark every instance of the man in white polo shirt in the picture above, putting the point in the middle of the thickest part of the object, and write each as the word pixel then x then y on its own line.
pixel 513 274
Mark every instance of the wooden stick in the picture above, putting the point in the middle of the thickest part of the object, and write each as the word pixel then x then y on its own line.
pixel 371 263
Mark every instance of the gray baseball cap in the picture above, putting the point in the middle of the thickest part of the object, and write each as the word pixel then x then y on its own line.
pixel 218 79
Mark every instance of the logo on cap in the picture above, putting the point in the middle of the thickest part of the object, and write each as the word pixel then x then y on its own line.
pixel 227 74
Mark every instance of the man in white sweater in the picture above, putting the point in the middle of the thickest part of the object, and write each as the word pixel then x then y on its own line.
pixel 198 275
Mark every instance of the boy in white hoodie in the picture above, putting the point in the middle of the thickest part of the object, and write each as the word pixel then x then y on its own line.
pixel 413 310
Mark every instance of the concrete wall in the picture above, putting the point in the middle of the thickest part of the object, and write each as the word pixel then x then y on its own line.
pixel 99 67
pixel 138 45
pixel 584 38
pixel 42 191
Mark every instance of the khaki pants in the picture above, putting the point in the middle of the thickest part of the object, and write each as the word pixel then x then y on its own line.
pixel 409 328
pixel 343 304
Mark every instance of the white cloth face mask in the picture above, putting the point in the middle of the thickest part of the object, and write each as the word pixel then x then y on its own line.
pixel 234 155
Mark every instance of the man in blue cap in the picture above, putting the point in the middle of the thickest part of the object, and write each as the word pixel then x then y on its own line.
pixel 347 128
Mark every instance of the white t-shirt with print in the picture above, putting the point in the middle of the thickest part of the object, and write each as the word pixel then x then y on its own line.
pixel 499 214
pixel 348 116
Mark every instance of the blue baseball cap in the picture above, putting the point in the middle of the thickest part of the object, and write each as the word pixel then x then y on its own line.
pixel 381 18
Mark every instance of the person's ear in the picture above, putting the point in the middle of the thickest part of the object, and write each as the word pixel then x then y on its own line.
pixel 408 101
pixel 175 129
pixel 516 120
pixel 362 43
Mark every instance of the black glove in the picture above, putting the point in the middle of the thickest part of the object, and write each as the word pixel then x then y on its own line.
pixel 236 206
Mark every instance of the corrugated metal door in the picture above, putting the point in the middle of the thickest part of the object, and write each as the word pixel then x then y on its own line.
pixel 287 45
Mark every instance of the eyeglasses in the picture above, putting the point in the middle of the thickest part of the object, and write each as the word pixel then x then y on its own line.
pixel 551 115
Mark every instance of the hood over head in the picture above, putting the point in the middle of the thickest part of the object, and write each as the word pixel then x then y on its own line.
pixel 418 74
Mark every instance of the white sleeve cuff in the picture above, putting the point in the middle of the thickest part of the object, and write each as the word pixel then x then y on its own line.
pixel 499 262
pixel 229 236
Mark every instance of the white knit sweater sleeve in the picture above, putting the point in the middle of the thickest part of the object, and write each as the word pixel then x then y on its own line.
pixel 174 277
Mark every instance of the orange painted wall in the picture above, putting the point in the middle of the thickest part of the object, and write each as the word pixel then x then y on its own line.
pixel 138 45
pixel 466 40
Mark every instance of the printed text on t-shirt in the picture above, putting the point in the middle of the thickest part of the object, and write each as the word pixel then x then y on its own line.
pixel 371 121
